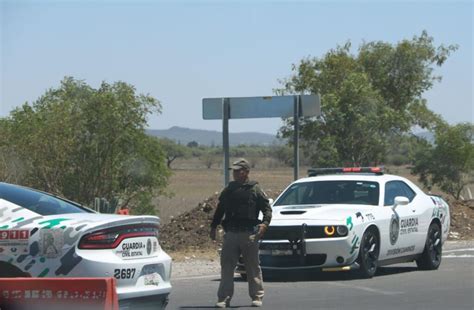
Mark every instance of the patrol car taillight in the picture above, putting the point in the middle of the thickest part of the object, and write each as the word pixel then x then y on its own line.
pixel 110 238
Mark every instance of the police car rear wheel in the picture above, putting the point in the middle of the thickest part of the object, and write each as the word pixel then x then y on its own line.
pixel 369 254
pixel 431 257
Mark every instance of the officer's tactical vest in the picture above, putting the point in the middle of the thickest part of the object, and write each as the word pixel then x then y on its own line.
pixel 240 202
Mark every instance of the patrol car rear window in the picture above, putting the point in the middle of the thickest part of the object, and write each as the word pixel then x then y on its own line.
pixel 38 202
pixel 331 192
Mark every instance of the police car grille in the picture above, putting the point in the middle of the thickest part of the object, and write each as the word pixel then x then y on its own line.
pixel 292 260
pixel 294 232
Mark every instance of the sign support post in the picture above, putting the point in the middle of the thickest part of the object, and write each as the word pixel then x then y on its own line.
pixel 225 137
pixel 296 134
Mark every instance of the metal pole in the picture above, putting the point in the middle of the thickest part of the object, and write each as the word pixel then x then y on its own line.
pixel 296 132
pixel 225 137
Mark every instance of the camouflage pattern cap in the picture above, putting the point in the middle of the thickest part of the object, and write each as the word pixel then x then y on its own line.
pixel 241 163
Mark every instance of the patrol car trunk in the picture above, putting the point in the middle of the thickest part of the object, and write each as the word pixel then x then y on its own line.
pixel 106 231
pixel 110 233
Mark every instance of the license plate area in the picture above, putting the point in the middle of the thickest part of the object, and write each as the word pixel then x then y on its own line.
pixel 277 249
pixel 282 252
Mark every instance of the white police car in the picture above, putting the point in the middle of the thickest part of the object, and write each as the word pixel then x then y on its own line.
pixel 361 218
pixel 45 236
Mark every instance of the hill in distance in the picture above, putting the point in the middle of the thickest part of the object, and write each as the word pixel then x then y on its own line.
pixel 183 136
pixel 212 138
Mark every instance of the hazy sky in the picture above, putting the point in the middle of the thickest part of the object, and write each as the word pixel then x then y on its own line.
pixel 183 51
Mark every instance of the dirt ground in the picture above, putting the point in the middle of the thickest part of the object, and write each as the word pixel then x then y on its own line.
pixel 187 235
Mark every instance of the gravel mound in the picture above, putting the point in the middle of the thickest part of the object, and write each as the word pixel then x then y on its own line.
pixel 190 230
pixel 462 220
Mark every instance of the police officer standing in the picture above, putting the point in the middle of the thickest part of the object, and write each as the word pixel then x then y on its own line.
pixel 240 203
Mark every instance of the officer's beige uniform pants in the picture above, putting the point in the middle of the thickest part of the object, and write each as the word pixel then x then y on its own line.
pixel 236 243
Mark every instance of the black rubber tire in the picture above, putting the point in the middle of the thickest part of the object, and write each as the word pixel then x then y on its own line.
pixel 430 259
pixel 243 276
pixel 369 254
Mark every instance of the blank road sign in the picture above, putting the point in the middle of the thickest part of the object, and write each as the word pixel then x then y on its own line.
pixel 261 107
pixel 310 105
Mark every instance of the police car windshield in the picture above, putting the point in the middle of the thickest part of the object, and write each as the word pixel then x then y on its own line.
pixel 38 202
pixel 331 192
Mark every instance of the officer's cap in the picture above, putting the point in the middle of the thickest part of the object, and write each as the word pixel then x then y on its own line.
pixel 242 163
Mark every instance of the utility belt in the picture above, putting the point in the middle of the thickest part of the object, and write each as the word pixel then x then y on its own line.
pixel 240 227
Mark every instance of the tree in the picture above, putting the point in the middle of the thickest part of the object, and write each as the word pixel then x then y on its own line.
pixel 192 144
pixel 282 153
pixel 402 148
pixel 366 98
pixel 10 167
pixel 173 151
pixel 84 143
pixel 211 156
pixel 450 162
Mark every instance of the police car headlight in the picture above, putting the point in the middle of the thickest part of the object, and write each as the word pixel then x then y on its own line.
pixel 342 230
pixel 329 230
pixel 336 231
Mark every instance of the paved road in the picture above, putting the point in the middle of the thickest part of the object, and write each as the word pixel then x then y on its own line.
pixel 398 287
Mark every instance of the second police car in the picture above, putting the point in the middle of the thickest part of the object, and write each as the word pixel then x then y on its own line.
pixel 354 218
pixel 45 236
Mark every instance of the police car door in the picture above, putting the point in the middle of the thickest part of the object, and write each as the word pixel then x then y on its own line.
pixel 403 230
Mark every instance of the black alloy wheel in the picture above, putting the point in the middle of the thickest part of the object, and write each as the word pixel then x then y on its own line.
pixel 430 259
pixel 369 253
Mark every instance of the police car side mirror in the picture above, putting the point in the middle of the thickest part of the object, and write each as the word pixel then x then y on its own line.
pixel 271 201
pixel 400 201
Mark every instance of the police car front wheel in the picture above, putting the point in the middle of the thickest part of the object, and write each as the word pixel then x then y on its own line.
pixel 369 253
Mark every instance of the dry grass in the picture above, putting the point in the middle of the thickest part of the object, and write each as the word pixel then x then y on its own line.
pixel 189 187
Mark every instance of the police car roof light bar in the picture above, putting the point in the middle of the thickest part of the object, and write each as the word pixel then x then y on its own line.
pixel 319 171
